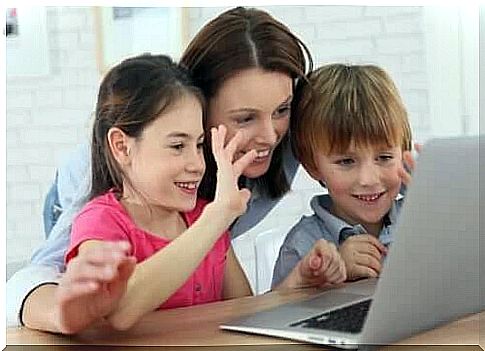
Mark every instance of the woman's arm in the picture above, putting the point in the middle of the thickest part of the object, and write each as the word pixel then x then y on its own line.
pixel 236 283
pixel 45 270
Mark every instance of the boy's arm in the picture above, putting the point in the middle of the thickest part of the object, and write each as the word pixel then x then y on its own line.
pixel 287 260
pixel 297 243
pixel 236 283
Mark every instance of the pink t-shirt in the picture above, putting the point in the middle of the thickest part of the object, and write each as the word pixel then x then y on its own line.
pixel 104 218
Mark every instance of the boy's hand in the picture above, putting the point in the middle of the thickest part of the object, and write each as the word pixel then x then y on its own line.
pixel 231 199
pixel 362 255
pixel 92 285
pixel 410 162
pixel 322 265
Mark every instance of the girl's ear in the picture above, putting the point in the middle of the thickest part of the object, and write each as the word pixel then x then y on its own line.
pixel 120 145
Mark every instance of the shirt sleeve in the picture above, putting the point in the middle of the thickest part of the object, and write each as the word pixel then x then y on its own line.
pixel 297 243
pixel 96 222
pixel 47 262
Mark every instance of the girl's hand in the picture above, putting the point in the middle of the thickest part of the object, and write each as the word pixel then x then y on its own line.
pixel 228 196
pixel 410 162
pixel 94 282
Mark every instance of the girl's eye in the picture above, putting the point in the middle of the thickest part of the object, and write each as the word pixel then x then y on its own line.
pixel 200 145
pixel 283 111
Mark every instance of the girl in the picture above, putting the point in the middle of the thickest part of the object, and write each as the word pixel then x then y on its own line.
pixel 147 163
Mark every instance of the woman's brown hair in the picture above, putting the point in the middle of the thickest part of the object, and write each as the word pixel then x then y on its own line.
pixel 239 39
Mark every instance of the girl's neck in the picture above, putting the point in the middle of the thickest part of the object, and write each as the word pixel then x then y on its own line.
pixel 161 221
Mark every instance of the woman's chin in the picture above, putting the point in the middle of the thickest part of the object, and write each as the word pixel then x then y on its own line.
pixel 256 170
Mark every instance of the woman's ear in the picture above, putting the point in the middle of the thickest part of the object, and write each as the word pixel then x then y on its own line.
pixel 120 145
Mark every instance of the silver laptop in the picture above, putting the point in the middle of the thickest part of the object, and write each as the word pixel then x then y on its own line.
pixel 431 275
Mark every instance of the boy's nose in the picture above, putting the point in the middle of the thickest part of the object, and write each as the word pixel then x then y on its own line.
pixel 368 176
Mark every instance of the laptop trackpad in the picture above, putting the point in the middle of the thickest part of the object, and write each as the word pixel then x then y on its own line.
pixel 329 300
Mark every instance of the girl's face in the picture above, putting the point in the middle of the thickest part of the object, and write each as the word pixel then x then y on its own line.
pixel 167 162
pixel 362 182
pixel 258 103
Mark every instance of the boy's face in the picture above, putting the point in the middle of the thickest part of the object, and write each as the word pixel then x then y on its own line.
pixel 362 182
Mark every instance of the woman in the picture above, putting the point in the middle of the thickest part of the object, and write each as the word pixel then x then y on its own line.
pixel 246 63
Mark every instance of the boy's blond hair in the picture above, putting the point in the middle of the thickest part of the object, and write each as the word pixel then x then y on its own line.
pixel 340 104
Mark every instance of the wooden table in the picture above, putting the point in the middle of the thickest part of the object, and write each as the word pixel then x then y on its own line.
pixel 182 329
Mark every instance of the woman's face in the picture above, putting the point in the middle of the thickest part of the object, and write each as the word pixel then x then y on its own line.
pixel 258 103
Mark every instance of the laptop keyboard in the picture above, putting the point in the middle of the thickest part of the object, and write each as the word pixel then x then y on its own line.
pixel 348 319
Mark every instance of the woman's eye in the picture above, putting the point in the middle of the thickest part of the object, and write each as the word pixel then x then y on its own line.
pixel 177 146
pixel 200 145
pixel 244 119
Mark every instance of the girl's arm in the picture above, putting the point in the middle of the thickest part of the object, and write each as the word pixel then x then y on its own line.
pixel 235 281
pixel 158 277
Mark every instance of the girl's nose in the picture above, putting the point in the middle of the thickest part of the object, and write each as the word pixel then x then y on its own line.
pixel 196 163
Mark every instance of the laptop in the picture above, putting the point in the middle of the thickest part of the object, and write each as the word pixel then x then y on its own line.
pixel 431 274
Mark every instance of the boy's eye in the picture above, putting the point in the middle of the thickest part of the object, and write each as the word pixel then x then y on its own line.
pixel 385 157
pixel 345 161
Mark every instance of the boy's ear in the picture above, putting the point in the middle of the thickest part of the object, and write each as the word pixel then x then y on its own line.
pixel 120 145
pixel 314 173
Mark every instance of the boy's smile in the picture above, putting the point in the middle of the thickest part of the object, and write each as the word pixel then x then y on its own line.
pixel 362 182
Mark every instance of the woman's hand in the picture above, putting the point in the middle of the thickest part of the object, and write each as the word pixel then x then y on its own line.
pixel 410 162
pixel 321 266
pixel 94 282
pixel 228 196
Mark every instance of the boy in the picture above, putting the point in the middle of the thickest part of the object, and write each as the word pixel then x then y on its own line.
pixel 350 132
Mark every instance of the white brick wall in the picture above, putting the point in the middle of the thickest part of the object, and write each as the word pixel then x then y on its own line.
pixel 48 116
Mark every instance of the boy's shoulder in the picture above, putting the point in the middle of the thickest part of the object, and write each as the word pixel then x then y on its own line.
pixel 311 228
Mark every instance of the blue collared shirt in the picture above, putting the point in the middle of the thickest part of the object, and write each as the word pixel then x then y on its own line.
pixel 323 225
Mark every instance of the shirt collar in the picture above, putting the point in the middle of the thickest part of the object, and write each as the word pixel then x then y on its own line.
pixel 337 227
